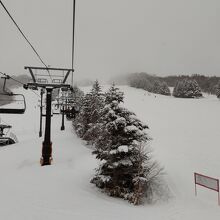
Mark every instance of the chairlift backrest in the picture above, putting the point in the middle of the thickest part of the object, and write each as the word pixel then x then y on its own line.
pixel 64 89
pixel 8 102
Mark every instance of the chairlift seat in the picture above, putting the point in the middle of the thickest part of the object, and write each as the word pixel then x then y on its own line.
pixel 11 111
pixel 6 141
pixel 14 106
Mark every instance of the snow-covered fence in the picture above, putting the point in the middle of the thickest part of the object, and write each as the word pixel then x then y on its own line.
pixel 207 182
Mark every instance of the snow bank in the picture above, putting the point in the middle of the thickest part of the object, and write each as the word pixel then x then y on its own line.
pixel 185 139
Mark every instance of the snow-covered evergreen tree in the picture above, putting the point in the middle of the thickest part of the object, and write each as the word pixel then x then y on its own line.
pixel 89 113
pixel 160 88
pixel 218 90
pixel 77 94
pixel 187 88
pixel 82 119
pixel 96 104
pixel 97 101
pixel 125 168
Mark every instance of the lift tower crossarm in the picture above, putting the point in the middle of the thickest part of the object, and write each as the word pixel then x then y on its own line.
pixel 31 68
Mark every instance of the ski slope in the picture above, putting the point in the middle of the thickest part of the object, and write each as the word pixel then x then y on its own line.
pixel 185 136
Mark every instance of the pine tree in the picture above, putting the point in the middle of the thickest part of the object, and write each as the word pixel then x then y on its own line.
pixel 124 170
pixel 165 89
pixel 97 101
pixel 77 95
pixel 187 88
pixel 83 118
pixel 160 88
pixel 218 90
pixel 86 121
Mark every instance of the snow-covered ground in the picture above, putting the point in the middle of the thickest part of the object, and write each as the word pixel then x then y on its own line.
pixel 185 136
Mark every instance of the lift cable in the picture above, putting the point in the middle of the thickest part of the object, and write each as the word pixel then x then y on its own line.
pixel 19 29
pixel 9 77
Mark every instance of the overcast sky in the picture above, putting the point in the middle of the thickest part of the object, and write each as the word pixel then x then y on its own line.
pixel 114 36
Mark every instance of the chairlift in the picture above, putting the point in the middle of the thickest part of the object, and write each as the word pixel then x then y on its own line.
pixel 11 103
pixel 33 87
pixel 56 107
pixel 64 89
pixel 6 138
pixel 71 112
pixel 71 108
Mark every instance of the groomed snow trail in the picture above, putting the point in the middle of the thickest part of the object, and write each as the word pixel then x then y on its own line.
pixel 183 144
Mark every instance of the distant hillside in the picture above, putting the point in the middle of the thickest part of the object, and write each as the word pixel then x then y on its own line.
pixel 206 83
pixel 150 83
pixel 145 80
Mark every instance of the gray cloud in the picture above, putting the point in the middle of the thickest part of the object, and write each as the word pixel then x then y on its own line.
pixel 114 36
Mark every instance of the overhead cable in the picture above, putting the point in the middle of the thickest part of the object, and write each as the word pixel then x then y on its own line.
pixel 73 36
pixel 22 33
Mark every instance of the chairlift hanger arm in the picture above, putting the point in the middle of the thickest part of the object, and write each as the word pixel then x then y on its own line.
pixel 4 85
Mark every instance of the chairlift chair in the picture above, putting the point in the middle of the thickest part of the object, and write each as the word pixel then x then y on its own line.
pixel 71 109
pixel 6 139
pixel 56 107
pixel 11 103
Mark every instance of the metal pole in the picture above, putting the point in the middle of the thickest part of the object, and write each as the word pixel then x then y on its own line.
pixel 218 199
pixel 73 40
pixel 41 108
pixel 195 184
pixel 47 144
pixel 195 190
pixel 218 194
pixel 62 126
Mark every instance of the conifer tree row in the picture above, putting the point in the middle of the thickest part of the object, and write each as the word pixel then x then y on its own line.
pixel 187 89
pixel 120 143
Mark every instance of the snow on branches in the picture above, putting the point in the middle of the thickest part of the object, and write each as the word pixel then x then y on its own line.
pixel 218 90
pixel 120 143
pixel 187 88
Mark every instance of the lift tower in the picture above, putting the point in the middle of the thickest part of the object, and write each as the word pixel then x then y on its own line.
pixel 48 81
